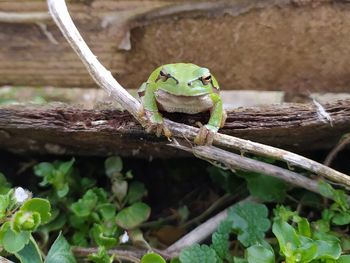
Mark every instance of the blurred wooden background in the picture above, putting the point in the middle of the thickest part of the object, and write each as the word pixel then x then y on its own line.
pixel 248 44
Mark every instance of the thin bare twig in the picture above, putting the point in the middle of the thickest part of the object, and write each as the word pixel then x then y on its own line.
pixel 345 140
pixel 198 234
pixel 104 79
pixel 235 161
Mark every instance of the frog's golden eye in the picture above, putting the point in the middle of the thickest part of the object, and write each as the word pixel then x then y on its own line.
pixel 206 79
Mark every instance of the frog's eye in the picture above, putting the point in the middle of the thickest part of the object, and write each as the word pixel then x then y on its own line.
pixel 162 75
pixel 206 79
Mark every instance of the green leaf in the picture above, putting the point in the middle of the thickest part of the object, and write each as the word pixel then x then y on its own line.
pixel 152 258
pixel 339 196
pixel 113 165
pixel 119 189
pixel 60 252
pixel 328 249
pixel 30 253
pixel 62 190
pixel 266 188
pixel 307 251
pixel 43 169
pixel 66 167
pixel 12 241
pixel 344 259
pixel 101 256
pixel 130 217
pixel 80 239
pixel 39 205
pixel 25 221
pixel 5 186
pixel 136 191
pixel 239 260
pixel 220 239
pixel 249 221
pixel 107 211
pixel 100 238
pixel 283 213
pixel 304 227
pixel 261 254
pixel 198 254
pixel 4 203
pixel 342 218
pixel 85 205
pixel 287 237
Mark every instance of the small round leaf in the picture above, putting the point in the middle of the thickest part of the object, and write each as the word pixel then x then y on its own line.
pixel 152 258
pixel 42 206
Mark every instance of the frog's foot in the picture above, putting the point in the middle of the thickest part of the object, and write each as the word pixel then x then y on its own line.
pixel 205 135
pixel 153 122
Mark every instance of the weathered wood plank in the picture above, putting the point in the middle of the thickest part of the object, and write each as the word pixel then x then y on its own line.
pixel 289 45
pixel 62 129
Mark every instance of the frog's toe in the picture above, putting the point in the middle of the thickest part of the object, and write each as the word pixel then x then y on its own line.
pixel 158 129
pixel 205 136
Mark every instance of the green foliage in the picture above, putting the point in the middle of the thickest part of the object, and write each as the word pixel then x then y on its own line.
pixel 152 258
pixel 301 244
pixel 60 252
pixel 250 222
pixel 259 253
pixel 101 256
pixel 199 254
pixel 30 253
pixel 96 216
pixel 13 241
pixel 113 165
pixel 264 187
pixel 5 186
pixel 56 174
pixel 339 213
pixel 130 217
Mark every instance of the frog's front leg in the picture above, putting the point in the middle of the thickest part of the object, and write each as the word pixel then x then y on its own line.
pixel 216 121
pixel 153 119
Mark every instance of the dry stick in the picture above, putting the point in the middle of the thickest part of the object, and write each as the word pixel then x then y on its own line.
pixel 235 161
pixel 104 79
pixel 30 17
pixel 198 234
pixel 340 146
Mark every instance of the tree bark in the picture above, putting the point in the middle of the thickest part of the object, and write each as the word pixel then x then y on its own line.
pixel 60 129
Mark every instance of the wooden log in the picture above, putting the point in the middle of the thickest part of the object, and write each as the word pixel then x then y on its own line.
pixel 62 129
pixel 288 45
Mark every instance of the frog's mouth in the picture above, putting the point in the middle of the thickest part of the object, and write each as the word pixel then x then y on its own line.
pixel 185 104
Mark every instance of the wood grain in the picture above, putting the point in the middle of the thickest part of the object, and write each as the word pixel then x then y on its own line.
pixel 289 45
pixel 62 129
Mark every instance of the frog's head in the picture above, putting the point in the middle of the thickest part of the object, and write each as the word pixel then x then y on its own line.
pixel 185 79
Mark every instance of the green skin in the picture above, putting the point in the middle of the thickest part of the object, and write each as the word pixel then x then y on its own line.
pixel 182 79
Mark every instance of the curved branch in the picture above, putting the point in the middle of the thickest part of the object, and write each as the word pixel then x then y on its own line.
pixel 30 17
pixel 104 79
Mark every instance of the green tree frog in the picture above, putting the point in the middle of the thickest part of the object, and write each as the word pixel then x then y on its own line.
pixel 185 88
